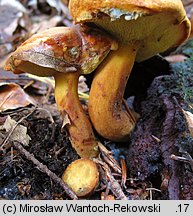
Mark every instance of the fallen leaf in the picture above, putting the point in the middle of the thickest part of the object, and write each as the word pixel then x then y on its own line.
pixel 55 4
pixel 188 7
pixel 24 187
pixel 65 10
pixel 82 86
pixel 13 14
pixel 12 96
pixel 189 119
pixel 45 24
pixel 176 58
pixel 19 133
pixel 66 120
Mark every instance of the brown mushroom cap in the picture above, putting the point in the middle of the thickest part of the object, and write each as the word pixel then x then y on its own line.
pixel 157 24
pixel 65 53
pixel 61 49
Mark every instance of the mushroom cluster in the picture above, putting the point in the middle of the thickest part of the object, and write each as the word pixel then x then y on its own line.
pixel 142 29
pixel 122 32
pixel 109 36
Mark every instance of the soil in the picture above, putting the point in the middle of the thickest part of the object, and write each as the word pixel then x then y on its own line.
pixel 159 133
pixel 20 179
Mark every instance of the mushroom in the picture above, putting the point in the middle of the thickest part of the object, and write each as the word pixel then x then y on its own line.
pixel 142 29
pixel 82 176
pixel 65 53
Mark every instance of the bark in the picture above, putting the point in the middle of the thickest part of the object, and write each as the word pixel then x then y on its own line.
pixel 148 157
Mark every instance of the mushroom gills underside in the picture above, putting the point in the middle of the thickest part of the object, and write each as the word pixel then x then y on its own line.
pixel 156 32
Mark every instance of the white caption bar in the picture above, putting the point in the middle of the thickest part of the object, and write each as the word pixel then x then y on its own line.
pixel 95 207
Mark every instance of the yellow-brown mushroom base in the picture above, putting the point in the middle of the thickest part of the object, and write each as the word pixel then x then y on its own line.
pixel 106 110
pixel 82 176
pixel 77 124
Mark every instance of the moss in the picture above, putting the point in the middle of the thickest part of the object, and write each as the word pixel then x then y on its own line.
pixel 183 75
pixel 180 85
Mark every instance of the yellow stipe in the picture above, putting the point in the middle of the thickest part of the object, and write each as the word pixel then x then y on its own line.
pixel 51 81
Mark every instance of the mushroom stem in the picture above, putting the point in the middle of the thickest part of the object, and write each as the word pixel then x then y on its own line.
pixel 75 120
pixel 107 114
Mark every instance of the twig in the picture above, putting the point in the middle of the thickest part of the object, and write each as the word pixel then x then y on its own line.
pixel 151 190
pixel 113 184
pixel 188 160
pixel 177 103
pixel 28 84
pixel 108 158
pixel 124 172
pixel 43 168
pixel 12 112
pixel 6 99
pixel 46 80
pixel 156 138
pixel 14 127
pixel 129 112
pixel 14 79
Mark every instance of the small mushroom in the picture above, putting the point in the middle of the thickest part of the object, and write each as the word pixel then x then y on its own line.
pixel 65 53
pixel 82 176
pixel 142 29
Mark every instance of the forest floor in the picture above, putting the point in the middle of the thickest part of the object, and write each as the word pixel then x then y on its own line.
pixel 158 156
